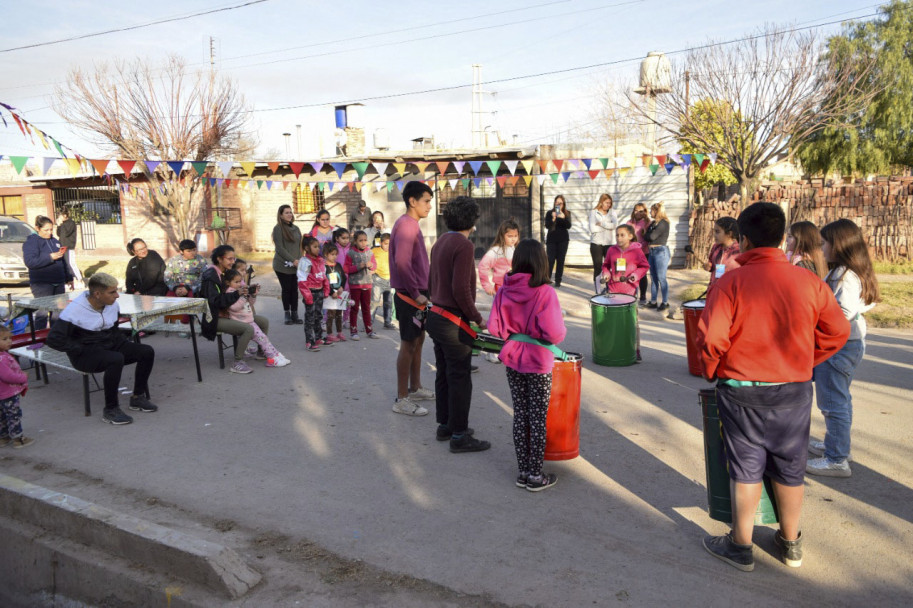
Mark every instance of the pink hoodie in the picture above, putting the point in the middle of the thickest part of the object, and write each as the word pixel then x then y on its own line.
pixel 496 261
pixel 636 265
pixel 534 311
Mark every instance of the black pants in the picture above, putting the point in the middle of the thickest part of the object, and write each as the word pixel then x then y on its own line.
pixel 556 252
pixel 289 285
pixel 112 362
pixel 597 252
pixel 313 317
pixel 644 283
pixel 453 383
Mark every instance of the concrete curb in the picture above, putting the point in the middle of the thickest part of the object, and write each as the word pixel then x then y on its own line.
pixel 177 554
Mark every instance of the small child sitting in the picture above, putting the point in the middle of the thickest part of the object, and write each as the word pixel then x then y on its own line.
pixel 382 290
pixel 242 311
pixel 13 383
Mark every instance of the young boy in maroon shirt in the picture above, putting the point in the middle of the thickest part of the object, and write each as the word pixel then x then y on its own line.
pixel 765 326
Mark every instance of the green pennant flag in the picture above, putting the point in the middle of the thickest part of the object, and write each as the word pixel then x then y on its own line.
pixel 259 184
pixel 554 177
pixel 493 166
pixel 322 186
pixel 389 186
pixel 605 162
pixel 18 162
pixel 360 168
pixel 199 166
pixel 465 183
pixel 57 145
pixel 699 158
pixel 653 168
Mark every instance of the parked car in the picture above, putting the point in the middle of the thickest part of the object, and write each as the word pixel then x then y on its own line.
pixel 13 233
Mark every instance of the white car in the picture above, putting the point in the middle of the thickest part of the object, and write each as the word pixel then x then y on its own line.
pixel 13 233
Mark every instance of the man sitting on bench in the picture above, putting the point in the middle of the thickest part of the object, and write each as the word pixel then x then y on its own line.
pixel 87 332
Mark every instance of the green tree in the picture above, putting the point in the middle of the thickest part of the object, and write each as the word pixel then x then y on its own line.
pixel 880 136
pixel 702 113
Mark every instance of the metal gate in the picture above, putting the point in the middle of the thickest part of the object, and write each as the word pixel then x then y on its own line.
pixel 87 231
pixel 496 204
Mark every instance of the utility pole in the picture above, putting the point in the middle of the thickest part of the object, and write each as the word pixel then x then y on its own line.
pixel 298 128
pixel 288 152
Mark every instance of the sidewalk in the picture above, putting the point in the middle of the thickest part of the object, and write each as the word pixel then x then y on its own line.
pixel 307 473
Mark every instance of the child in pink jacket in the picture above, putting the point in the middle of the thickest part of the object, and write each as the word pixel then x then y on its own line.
pixel 13 383
pixel 527 304
pixel 314 287
pixel 625 263
pixel 496 261
pixel 242 311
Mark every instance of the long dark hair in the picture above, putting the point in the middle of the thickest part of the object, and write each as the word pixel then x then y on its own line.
pixel 317 218
pixel 530 258
pixel 808 245
pixel 283 225
pixel 849 249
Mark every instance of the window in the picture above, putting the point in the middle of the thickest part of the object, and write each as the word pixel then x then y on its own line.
pixel 11 206
pixel 308 200
pixel 100 204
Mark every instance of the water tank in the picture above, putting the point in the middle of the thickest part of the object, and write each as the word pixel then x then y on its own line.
pixel 355 116
pixel 656 73
pixel 340 117
pixel 381 139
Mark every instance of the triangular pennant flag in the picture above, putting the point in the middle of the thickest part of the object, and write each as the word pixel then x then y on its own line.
pixel 705 164
pixel 661 159
pixel 248 167
pixel 453 183
pixel 339 168
pixel 259 184
pixel 316 166
pixel 73 165
pixel 421 167
pixel 212 181
pixel 399 168
pixel 378 186
pixel 624 171
pixel 513 179
pixel 100 165
pixel 269 184
pixel 273 167
pixel 176 166
pixel 676 158
pixel 587 162
pixel 502 179
pixel 493 166
pixel 19 162
pixel 527 166
pixel 389 186
pixel 321 185
pixel 360 169
pixel 442 166
pixel 572 164
pixel 558 164
pixel 712 158
pixel 699 159
pixel 126 166
pixel 296 168
pixel 458 165
pixel 57 145
pixel 358 186
pixel 654 168
pixel 477 182
pixel 609 172
pixel 18 122
pixel 527 179
pixel 686 159
pixel 381 168
pixel 227 183
pixel 669 167
pixel 400 184
pixel 475 165
pixel 543 166
pixel 44 142
pixel 594 173
pixel 46 164
pixel 604 162
pixel 151 165
pixel 541 178
pixel 285 185
pixel 225 167
pixel 350 185
pixel 465 183
pixel 199 166
pixel 554 177
pixel 566 175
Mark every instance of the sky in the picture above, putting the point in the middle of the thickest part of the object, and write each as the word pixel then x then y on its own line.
pixel 314 54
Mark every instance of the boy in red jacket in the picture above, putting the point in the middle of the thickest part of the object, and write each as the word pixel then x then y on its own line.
pixel 760 347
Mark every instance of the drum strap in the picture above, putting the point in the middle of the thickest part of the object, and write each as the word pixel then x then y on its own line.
pixel 409 300
pixel 455 320
pixel 559 354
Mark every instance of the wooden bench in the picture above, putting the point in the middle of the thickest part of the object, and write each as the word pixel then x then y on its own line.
pixel 180 328
pixel 44 356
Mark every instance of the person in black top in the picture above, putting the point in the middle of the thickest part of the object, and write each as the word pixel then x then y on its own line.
pixel 145 270
pixel 656 236
pixel 557 223
pixel 49 274
pixel 66 232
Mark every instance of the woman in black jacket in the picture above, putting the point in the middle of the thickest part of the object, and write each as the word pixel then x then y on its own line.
pixel 656 236
pixel 557 223
pixel 49 273
pixel 145 270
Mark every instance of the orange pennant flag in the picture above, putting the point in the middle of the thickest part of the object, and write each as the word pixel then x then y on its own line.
pixel 442 166
pixel 543 166
pixel 350 185
pixel 285 185
pixel 101 165
pixel 273 167
pixel 512 180
pixel 609 172
pixel 501 180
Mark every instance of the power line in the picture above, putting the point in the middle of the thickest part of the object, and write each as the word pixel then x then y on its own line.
pixel 133 27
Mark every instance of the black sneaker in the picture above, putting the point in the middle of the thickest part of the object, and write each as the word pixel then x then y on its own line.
pixel 537 483
pixel 651 305
pixel 642 303
pixel 723 547
pixel 790 550
pixel 444 433
pixel 116 416
pixel 139 403
pixel 473 369
pixel 467 443
pixel 663 306
pixel 522 479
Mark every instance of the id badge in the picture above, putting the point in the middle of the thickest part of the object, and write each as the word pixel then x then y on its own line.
pixel 720 269
pixel 333 277
pixel 620 265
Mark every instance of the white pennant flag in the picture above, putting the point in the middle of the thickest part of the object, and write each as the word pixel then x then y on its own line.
pixel 511 165
pixel 225 167
pixel 381 169
pixel 542 177
pixel 453 183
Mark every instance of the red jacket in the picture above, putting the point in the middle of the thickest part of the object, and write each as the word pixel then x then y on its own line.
pixel 312 275
pixel 636 267
pixel 768 321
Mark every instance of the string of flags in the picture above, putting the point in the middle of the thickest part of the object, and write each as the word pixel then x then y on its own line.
pixel 464 172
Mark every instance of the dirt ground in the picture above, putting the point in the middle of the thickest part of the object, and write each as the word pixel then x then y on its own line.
pixel 338 501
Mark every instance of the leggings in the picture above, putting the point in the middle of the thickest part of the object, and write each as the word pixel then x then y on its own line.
pixel 334 315
pixel 112 362
pixel 644 283
pixel 361 296
pixel 10 418
pixel 313 317
pixel 243 331
pixel 289 285
pixel 597 252
pixel 263 342
pixel 530 394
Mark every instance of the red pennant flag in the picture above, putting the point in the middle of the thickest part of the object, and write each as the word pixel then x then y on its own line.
pixel 502 180
pixel 558 164
pixel 296 168
pixel 442 166
pixel 101 165
pixel 273 166
pixel 593 174
pixel 127 166
pixel 227 183
pixel 705 164
pixel 661 158
pixel 18 122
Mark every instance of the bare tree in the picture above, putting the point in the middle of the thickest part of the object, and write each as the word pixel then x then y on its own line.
pixel 761 96
pixel 142 112
pixel 615 122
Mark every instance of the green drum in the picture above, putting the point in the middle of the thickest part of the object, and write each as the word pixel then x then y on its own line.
pixel 614 329
pixel 719 498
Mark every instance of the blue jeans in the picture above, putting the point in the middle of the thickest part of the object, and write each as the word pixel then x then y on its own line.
pixel 659 259
pixel 832 388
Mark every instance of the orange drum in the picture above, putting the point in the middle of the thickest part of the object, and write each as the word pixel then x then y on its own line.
pixel 562 426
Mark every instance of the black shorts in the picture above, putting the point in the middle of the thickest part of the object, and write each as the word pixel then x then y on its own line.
pixel 411 326
pixel 765 431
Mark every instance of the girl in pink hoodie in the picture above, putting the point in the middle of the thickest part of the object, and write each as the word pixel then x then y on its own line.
pixel 496 261
pixel 625 263
pixel 527 305
pixel 13 383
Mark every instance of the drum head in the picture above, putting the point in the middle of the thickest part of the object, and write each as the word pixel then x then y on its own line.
pixel 613 299
pixel 696 304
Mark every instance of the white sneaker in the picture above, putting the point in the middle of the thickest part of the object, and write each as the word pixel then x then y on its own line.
pixel 422 394
pixel 817 448
pixel 406 406
pixel 279 361
pixel 492 357
pixel 824 467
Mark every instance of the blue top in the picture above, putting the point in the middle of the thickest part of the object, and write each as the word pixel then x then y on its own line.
pixel 36 252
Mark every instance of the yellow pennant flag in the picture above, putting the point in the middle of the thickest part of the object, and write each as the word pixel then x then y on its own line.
pixel 609 172
pixel 528 167
pixel 400 168
pixel 73 165
pixel 421 167
pixel 248 168
pixel 358 186
pixel 624 171
pixel 528 178
pixel 44 142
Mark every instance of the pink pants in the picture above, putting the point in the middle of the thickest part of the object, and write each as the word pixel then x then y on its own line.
pixel 361 296
pixel 263 342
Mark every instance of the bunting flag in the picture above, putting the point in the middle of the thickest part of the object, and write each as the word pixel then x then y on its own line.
pixel 177 166
pixel 442 166
pixel 296 168
pixel 669 167
pixel 541 178
pixel 587 162
pixel 704 164
pixel 421 166
pixel 712 156
pixel 513 179
pixel 453 183
pixel 400 168
pixel 653 168
pixel 73 165
pixel 527 166
pixel 686 160
pixel 126 166
pixel 594 173
pixel 100 165
pixel 381 169
pixel 554 177
pixel 661 159
pixel 225 167
pixel 389 186
pixel 475 165
pixel 458 165
pixel 558 164
pixel 465 183
pixel 400 184
pixel 360 169
pixel 676 158
pixel 527 179
pixel 151 165
pixel 699 159
pixel 46 164
pixel 609 172
pixel 493 166
pixel 339 168
pixel 200 167
pixel 476 182
pixel 502 180
pixel 317 166
pixel 358 186
pixel 273 167
pixel 19 162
